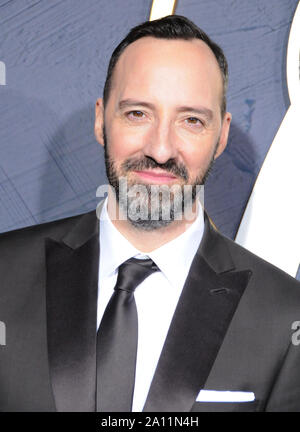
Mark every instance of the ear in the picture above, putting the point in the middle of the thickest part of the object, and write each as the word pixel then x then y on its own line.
pixel 99 121
pixel 224 134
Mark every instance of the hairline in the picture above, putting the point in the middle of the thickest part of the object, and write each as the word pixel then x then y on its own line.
pixel 219 56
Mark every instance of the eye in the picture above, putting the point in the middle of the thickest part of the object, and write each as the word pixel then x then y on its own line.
pixel 135 115
pixel 194 121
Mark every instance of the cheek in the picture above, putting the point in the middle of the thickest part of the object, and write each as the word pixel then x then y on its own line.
pixel 197 149
pixel 199 157
pixel 197 162
pixel 124 143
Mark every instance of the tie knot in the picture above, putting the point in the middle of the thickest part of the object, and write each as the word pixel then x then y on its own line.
pixel 132 272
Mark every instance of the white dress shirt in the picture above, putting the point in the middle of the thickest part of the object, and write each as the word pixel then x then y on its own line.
pixel 156 297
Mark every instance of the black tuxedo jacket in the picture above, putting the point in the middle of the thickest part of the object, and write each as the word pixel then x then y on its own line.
pixel 231 329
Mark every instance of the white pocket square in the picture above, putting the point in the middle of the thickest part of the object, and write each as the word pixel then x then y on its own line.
pixel 225 396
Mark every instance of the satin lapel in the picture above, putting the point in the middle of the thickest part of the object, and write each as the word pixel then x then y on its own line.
pixel 72 285
pixel 204 311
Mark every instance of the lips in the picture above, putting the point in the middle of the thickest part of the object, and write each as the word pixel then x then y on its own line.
pixel 155 176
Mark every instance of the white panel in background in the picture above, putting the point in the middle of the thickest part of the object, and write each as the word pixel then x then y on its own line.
pixel 271 223
pixel 2 73
pixel 162 8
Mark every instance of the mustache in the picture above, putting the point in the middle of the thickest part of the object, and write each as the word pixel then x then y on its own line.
pixel 170 166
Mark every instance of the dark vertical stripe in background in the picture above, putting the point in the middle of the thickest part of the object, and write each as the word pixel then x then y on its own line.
pixel 298 273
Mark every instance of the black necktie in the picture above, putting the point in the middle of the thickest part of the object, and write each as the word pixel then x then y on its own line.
pixel 117 339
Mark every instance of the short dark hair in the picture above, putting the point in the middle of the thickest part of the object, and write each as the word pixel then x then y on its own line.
pixel 169 27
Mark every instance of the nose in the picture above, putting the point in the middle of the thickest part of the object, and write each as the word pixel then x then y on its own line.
pixel 161 142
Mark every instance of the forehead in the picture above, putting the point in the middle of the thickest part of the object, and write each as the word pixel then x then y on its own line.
pixel 153 67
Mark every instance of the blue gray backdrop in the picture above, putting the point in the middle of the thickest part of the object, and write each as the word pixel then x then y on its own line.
pixel 56 54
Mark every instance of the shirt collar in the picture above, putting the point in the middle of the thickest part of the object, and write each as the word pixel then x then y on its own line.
pixel 117 248
pixel 173 258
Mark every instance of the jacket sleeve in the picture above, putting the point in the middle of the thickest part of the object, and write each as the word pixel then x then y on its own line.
pixel 285 394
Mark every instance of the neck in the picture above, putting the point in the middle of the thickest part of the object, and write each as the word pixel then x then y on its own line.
pixel 147 241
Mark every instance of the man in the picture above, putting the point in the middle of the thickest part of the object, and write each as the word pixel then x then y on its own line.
pixel 208 320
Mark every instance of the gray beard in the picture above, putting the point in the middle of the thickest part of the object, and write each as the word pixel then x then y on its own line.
pixel 151 207
pixel 155 207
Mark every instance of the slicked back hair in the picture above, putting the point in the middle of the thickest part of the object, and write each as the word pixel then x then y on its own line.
pixel 169 27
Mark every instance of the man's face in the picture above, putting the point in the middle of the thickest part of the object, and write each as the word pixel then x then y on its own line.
pixel 162 123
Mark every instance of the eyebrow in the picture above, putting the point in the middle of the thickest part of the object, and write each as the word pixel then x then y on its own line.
pixel 208 113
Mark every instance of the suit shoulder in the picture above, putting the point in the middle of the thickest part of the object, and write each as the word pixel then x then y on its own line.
pixel 264 270
pixel 53 228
